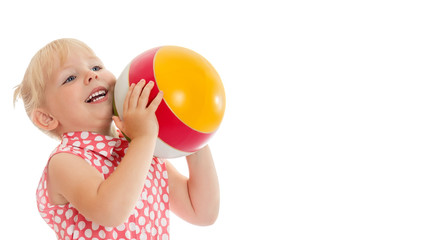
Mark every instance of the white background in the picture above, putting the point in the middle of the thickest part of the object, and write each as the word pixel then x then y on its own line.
pixel 324 135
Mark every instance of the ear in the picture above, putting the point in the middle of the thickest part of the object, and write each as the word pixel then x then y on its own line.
pixel 44 120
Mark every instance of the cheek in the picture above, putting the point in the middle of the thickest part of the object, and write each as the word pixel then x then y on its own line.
pixel 110 78
pixel 70 96
pixel 65 101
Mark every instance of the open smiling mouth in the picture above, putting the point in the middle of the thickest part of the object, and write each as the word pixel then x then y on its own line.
pixel 96 96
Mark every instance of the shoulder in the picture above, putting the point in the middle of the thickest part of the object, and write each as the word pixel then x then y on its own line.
pixel 66 168
pixel 63 166
pixel 59 167
pixel 68 173
pixel 64 157
pixel 63 162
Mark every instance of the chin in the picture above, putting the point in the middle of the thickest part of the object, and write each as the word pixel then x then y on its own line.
pixel 105 115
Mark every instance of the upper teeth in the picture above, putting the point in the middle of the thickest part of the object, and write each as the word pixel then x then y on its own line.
pixel 96 96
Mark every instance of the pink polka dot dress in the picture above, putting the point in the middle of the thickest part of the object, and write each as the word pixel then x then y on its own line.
pixel 148 220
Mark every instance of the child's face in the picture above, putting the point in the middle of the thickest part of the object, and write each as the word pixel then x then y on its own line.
pixel 80 94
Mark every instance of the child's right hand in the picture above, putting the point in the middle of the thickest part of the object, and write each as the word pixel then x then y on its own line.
pixel 110 201
pixel 139 119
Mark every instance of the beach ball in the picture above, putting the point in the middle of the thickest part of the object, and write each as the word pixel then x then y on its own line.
pixel 193 103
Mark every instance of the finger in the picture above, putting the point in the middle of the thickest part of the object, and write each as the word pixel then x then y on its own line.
pixel 134 97
pixel 143 99
pixel 126 102
pixel 156 102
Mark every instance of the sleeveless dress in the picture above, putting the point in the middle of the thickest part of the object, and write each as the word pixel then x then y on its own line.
pixel 148 220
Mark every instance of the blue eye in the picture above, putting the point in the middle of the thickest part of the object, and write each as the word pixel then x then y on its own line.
pixel 96 68
pixel 69 79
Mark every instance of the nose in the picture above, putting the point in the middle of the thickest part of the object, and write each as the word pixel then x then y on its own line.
pixel 91 76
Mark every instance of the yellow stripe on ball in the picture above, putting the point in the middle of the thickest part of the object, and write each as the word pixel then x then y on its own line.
pixel 192 88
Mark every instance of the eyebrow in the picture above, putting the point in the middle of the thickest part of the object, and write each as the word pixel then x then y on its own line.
pixel 90 60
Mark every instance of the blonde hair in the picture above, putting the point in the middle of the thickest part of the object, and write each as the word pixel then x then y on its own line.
pixel 41 68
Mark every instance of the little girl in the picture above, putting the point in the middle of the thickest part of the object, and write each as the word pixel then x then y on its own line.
pixel 97 185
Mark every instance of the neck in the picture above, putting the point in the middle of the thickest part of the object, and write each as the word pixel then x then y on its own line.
pixel 107 131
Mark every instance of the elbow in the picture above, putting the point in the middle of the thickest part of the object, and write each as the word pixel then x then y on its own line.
pixel 207 219
pixel 112 222
pixel 111 217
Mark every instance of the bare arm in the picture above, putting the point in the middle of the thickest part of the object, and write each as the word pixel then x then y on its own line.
pixel 195 199
pixel 109 202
